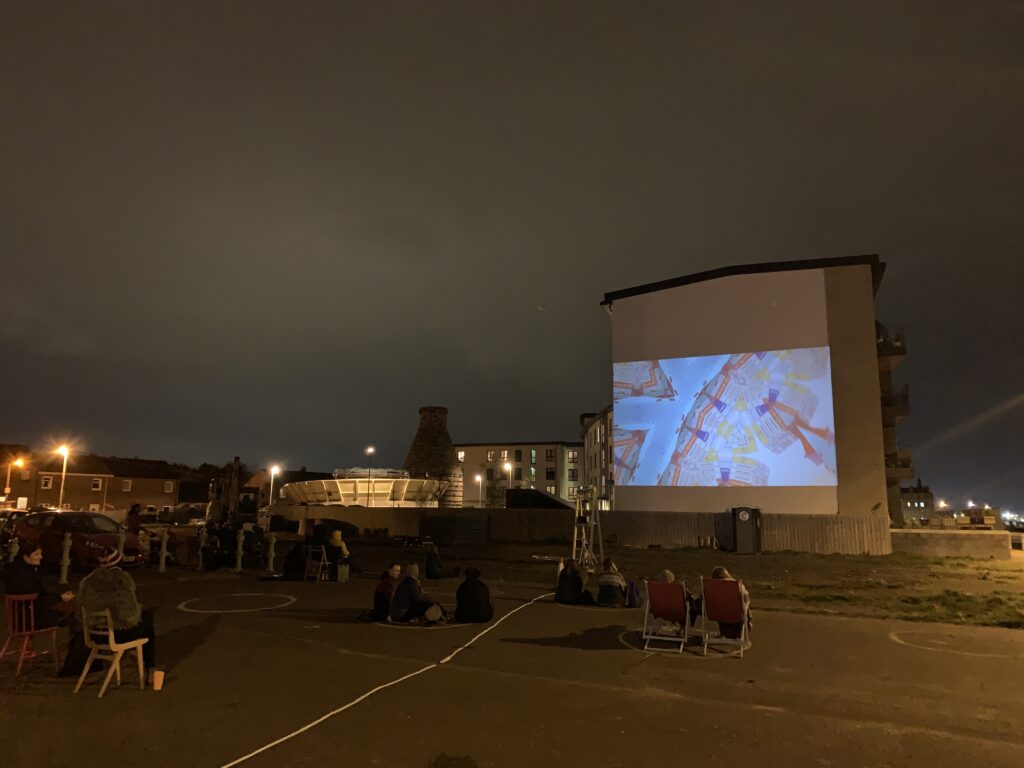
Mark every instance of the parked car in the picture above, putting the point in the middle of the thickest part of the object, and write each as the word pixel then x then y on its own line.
pixel 90 533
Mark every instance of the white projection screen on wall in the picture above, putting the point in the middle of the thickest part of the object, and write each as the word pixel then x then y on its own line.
pixel 749 419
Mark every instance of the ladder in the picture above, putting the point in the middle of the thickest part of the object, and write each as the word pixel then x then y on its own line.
pixel 586 531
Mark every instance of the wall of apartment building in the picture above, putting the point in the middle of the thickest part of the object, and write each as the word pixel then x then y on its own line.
pixel 94 492
pixel 154 492
pixel 597 453
pixel 558 467
pixel 80 491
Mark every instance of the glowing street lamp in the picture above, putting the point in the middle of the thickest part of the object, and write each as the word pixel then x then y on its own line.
pixel 508 468
pixel 943 504
pixel 987 507
pixel 15 463
pixel 971 504
pixel 479 489
pixel 63 451
pixel 370 450
pixel 274 472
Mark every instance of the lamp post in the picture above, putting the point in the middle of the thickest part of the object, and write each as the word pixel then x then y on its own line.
pixel 16 463
pixel 274 472
pixel 508 468
pixel 479 489
pixel 63 451
pixel 370 450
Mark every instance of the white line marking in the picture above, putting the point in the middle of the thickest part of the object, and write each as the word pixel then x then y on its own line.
pixel 370 693
pixel 895 637
pixel 288 600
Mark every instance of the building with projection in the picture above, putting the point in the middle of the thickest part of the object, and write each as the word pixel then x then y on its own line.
pixel 765 385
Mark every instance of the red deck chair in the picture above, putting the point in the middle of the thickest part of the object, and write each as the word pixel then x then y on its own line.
pixel 21 624
pixel 666 602
pixel 723 603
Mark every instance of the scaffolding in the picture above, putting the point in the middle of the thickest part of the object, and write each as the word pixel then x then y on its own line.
pixel 586 532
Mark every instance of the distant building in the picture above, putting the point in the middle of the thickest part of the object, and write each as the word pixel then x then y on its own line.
pixel 596 429
pixel 918 501
pixel 899 463
pixel 554 467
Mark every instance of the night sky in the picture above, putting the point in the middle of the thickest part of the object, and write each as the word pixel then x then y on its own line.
pixel 275 229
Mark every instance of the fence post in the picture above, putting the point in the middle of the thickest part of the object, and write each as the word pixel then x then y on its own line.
pixel 164 536
pixel 65 558
pixel 271 552
pixel 202 546
pixel 238 551
pixel 12 548
pixel 120 543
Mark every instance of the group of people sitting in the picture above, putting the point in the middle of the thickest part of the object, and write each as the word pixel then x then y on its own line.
pixel 107 587
pixel 613 591
pixel 402 600
pixel 694 602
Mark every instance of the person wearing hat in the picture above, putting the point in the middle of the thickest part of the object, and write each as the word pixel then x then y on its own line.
pixel 409 603
pixel 473 599
pixel 110 588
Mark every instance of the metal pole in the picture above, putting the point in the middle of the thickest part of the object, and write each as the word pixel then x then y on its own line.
pixel 65 559
pixel 7 485
pixel 271 552
pixel 63 473
pixel 163 550
pixel 480 492
pixel 202 545
pixel 270 501
pixel 120 543
pixel 369 477
pixel 238 551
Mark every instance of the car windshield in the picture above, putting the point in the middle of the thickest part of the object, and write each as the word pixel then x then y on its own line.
pixel 90 524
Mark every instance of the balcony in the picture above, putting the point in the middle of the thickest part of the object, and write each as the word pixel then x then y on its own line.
pixel 892 347
pixel 896 407
pixel 899 466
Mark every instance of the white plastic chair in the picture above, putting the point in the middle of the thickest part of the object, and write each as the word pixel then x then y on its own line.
pixel 98 630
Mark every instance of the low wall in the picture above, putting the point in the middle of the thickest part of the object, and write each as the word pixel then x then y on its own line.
pixel 987 545
pixel 821 534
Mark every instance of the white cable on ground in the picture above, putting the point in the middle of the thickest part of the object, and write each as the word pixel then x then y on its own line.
pixel 370 693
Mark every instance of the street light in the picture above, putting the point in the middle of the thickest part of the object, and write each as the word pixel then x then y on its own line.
pixel 943 504
pixel 479 489
pixel 370 450
pixel 63 451
pixel 15 463
pixel 274 472
pixel 508 468
pixel 971 504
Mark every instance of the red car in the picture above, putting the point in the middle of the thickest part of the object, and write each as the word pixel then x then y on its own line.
pixel 90 532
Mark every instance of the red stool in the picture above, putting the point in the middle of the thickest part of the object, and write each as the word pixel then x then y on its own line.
pixel 21 623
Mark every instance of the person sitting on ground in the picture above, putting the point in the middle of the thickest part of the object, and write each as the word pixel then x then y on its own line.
pixel 409 603
pixel 732 631
pixel 110 588
pixel 434 569
pixel 569 590
pixel 473 599
pixel 611 586
pixel 24 578
pixel 384 592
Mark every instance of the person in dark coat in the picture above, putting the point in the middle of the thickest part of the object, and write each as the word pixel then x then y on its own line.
pixel 384 592
pixel 569 590
pixel 611 586
pixel 133 520
pixel 434 568
pixel 23 578
pixel 473 599
pixel 409 603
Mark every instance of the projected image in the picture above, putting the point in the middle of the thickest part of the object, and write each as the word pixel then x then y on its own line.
pixel 758 418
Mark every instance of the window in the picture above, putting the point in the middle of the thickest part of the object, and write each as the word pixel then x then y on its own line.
pixel 46 482
pixel 503 456
pixel 549 473
pixel 533 455
pixel 574 475
pixel 97 483
pixel 552 489
pixel 490 474
pixel 519 454
pixel 574 457
pixel 549 455
pixel 126 486
pixel 519 474
pixel 461 455
pixel 168 486
pixel 572 491
pixel 533 474
pixel 490 456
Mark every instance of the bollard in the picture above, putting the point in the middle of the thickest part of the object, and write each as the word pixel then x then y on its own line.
pixel 561 567
pixel 271 551
pixel 65 559
pixel 120 543
pixel 238 551
pixel 164 536
pixel 202 546
pixel 12 548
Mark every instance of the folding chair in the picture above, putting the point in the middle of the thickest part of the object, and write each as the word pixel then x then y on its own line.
pixel 318 568
pixel 722 602
pixel 98 630
pixel 21 623
pixel 666 602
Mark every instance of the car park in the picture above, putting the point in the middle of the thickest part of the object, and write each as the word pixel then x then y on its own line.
pixel 91 533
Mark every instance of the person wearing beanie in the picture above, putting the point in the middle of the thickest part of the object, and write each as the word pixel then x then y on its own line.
pixel 473 599
pixel 409 603
pixel 611 586
pixel 110 588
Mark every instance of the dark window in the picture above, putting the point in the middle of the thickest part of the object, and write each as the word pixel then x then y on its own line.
pixel 549 454
pixel 519 473
pixel 573 475
pixel 549 473
pixel 490 474
pixel 519 454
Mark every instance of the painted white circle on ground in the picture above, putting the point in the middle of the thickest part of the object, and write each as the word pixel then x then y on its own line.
pixel 927 641
pixel 446 625
pixel 596 607
pixel 637 634
pixel 284 601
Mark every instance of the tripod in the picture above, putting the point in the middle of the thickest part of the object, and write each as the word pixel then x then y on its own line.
pixel 586 531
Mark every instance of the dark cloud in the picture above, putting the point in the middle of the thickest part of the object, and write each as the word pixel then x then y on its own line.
pixel 278 229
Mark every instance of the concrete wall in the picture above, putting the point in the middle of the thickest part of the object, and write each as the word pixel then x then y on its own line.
pixel 987 545
pixel 856 392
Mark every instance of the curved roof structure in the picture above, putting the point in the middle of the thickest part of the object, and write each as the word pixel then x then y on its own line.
pixel 365 491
